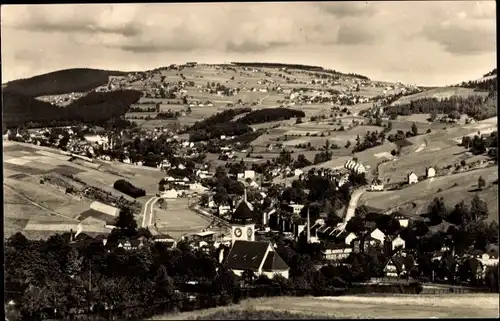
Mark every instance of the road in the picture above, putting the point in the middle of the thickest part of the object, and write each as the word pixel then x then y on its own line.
pixel 148 213
pixel 262 99
pixel 351 208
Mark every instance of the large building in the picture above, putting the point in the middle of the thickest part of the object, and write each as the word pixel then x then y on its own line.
pixel 246 254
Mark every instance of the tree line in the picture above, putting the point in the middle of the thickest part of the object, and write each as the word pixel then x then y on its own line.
pixel 269 115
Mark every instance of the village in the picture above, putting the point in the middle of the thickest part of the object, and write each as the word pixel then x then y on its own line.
pixel 186 170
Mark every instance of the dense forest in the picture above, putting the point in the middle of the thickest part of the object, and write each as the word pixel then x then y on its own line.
pixel 475 107
pixel 61 82
pixel 222 117
pixel 270 114
pixel 295 66
pixel 95 108
pixel 489 85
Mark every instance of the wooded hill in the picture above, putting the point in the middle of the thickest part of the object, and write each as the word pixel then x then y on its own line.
pixel 61 82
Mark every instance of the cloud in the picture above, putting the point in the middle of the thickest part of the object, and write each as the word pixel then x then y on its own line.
pixel 465 32
pixel 407 39
pixel 352 34
pixel 348 9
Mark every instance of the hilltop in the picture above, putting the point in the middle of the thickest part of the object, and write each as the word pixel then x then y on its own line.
pixel 94 108
pixel 61 82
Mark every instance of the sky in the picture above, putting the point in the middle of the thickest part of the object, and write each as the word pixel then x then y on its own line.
pixel 427 43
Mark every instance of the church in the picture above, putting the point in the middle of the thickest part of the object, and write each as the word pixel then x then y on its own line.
pixel 246 253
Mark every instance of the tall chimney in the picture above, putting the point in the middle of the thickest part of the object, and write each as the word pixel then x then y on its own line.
pixel 308 226
pixel 71 238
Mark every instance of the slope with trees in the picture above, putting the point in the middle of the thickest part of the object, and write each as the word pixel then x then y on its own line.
pixel 95 108
pixel 61 82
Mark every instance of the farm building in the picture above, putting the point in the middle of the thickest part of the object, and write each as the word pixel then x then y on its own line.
pixel 412 178
pixel 355 166
pixel 101 212
pixel 430 171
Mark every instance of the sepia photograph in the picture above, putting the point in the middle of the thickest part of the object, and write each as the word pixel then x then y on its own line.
pixel 250 160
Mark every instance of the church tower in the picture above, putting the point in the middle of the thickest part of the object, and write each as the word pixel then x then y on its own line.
pixel 242 222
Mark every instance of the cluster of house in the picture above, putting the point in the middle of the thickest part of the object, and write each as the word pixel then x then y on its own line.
pixel 201 104
pixel 63 99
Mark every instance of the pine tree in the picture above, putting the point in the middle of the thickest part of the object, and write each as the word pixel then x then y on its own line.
pixel 478 209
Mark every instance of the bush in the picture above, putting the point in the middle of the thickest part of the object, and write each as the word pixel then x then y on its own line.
pixel 129 189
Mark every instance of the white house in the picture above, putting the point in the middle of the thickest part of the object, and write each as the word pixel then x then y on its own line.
pixel 431 172
pixel 398 241
pixel 378 235
pixel 224 209
pixel 349 238
pixel 412 178
pixel 403 220
pixel 249 174
pixel 171 193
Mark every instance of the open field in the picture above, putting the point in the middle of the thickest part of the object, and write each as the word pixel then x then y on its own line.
pixel 49 205
pixel 425 191
pixel 439 93
pixel 421 157
pixel 357 307
pixel 177 219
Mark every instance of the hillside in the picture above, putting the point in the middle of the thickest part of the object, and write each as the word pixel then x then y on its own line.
pixel 95 107
pixel 61 82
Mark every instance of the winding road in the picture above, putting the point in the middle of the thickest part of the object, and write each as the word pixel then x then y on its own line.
pixel 148 212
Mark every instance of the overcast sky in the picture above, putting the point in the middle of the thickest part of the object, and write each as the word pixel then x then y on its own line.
pixel 424 43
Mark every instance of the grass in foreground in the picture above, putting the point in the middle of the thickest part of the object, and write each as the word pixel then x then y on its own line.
pixel 253 314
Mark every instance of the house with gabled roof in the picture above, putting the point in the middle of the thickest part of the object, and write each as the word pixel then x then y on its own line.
pixel 412 178
pixel 258 257
pixel 399 265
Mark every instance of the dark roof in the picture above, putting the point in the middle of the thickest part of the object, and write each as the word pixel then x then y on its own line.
pixel 97 215
pixel 246 255
pixel 242 214
pixel 274 262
